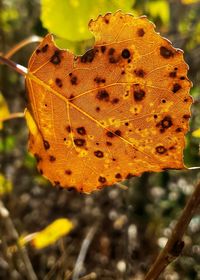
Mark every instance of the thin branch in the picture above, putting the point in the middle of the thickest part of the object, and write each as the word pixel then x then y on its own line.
pixel 175 243
pixel 11 230
pixel 83 252
pixel 13 116
pixel 17 67
pixel 27 41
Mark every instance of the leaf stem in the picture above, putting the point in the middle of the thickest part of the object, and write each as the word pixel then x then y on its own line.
pixel 23 43
pixel 17 67
pixel 13 116
pixel 175 244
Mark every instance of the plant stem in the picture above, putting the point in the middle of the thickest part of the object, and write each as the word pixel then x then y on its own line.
pixel 17 47
pixel 17 67
pixel 12 232
pixel 13 116
pixel 175 244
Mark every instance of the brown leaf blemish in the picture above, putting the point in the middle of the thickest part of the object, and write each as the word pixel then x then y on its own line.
pixel 139 94
pixel 46 144
pixel 81 130
pixel 79 142
pixel 161 149
pixel 56 59
pixel 103 95
pixel 98 154
pixel 166 53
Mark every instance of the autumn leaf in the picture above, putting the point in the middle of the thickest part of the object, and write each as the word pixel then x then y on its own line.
pixel 115 112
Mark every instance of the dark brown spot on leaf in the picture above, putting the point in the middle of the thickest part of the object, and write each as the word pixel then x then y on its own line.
pixel 179 129
pixel 55 59
pixel 97 109
pixel 68 128
pixel 186 117
pixel 161 149
pixel 139 94
pixel 129 176
pixel 111 51
pixel 38 51
pixel 102 179
pixel 166 53
pixel 176 87
pixel 73 80
pixel 79 142
pixel 118 176
pixel 68 172
pixel 59 82
pixel 98 154
pixel 103 95
pixel 46 144
pixel 172 74
pixel 37 157
pixel 165 123
pixel 110 134
pixel 182 78
pixel 139 73
pixel 88 56
pixel 118 132
pixel 103 49
pixel 81 130
pixel 99 80
pixel 108 143
pixel 125 53
pixel 45 48
pixel 115 100
pixel 140 32
pixel 52 158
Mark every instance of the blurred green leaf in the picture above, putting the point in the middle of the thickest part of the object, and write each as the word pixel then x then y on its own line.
pixel 7 144
pixel 5 185
pixel 69 19
pixel 159 9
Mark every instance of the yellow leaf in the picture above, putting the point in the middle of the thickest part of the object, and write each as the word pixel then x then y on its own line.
pixel 52 233
pixel 5 185
pixel 189 2
pixel 160 9
pixel 196 133
pixel 4 112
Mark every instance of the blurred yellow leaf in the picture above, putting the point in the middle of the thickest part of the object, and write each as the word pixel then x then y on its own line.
pixel 196 133
pixel 159 9
pixel 52 233
pixel 188 2
pixel 4 112
pixel 5 185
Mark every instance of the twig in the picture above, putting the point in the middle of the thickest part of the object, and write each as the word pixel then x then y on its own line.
pixel 17 67
pixel 17 47
pixel 5 217
pixel 83 251
pixel 175 244
pixel 13 116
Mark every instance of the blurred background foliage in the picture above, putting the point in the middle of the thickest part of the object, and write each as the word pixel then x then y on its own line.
pixel 132 225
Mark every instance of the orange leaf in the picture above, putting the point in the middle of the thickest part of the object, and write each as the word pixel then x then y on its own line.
pixel 117 111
